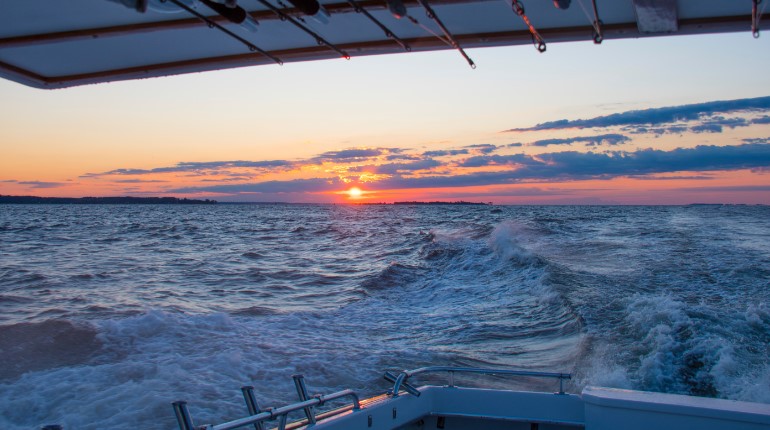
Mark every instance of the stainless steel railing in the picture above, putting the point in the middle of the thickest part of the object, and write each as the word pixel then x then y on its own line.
pixel 399 381
pixel 257 417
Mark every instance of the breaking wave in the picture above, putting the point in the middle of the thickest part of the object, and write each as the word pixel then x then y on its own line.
pixel 140 308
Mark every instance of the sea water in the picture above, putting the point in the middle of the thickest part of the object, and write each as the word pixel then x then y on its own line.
pixel 108 313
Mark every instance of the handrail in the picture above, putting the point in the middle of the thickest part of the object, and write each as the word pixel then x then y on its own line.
pixel 306 404
pixel 401 379
pixel 185 421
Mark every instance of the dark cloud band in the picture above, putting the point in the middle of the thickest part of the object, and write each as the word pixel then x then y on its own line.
pixel 656 116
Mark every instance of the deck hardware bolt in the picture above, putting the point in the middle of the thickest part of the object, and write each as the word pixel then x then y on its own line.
pixel 395 412
pixel 369 420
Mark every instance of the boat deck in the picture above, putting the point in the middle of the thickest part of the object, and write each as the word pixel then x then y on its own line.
pixel 451 407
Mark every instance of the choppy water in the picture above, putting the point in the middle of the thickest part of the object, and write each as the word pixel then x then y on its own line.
pixel 109 313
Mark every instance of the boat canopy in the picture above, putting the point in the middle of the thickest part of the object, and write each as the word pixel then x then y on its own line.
pixel 57 44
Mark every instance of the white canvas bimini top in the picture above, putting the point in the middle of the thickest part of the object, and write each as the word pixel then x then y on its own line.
pixel 56 44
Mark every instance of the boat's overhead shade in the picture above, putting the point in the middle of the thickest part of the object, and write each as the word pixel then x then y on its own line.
pixel 56 44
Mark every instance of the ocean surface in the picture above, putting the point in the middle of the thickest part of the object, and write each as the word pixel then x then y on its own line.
pixel 109 313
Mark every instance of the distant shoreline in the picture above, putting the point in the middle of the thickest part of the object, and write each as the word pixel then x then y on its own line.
pixel 35 200
pixel 431 203
pixel 102 200
pixel 177 201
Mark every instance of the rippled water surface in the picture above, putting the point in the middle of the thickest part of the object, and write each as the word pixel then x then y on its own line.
pixel 108 313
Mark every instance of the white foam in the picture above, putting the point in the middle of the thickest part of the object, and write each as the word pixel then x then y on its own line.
pixel 506 240
pixel 601 368
pixel 673 347
pixel 152 359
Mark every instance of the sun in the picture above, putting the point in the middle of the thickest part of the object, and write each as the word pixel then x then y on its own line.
pixel 355 193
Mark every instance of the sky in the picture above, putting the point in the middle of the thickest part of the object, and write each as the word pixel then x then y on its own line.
pixel 672 120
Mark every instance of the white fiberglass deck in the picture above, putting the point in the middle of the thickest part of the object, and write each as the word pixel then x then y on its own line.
pixel 596 409
pixel 451 407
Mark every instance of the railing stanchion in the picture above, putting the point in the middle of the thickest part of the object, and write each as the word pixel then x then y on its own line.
pixel 185 422
pixel 299 382
pixel 183 416
pixel 252 405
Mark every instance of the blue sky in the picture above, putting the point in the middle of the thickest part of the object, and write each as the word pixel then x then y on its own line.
pixel 556 122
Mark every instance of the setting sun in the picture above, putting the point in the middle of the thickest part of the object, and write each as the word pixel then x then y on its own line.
pixel 355 193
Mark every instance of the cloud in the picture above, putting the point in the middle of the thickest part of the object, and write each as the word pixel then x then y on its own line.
pixel 716 124
pixel 736 188
pixel 523 168
pixel 196 167
pixel 352 155
pixel 406 157
pixel 139 181
pixel 647 161
pixel 396 168
pixel 228 179
pixel 603 139
pixel 761 120
pixel 445 153
pixel 496 160
pixel 655 116
pixel 484 148
pixel 272 187
pixel 672 178
pixel 571 165
pixel 706 128
pixel 728 122
pixel 213 165
pixel 42 184
pixel 674 129
pixel 220 168
pixel 512 192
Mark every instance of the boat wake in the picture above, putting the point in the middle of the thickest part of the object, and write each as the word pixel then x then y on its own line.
pixel 359 290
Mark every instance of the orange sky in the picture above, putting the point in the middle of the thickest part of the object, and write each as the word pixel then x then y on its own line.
pixel 595 166
pixel 415 127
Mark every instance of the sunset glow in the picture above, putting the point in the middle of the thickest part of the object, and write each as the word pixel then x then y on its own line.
pixel 355 193
pixel 445 133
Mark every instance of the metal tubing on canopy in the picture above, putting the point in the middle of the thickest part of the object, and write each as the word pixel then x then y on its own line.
pixel 320 40
pixel 389 34
pixel 537 39
pixel 432 15
pixel 213 24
